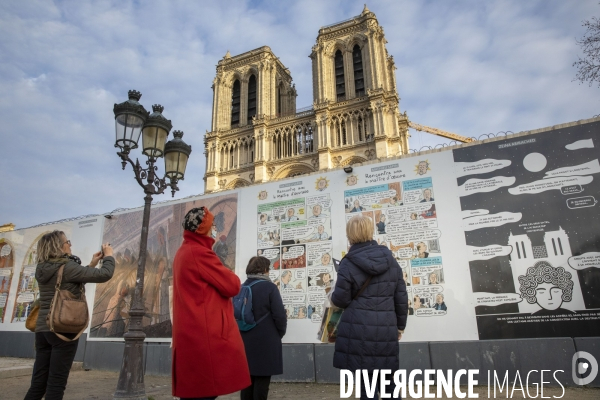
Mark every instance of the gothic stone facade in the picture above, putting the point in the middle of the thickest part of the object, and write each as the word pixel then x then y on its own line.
pixel 258 135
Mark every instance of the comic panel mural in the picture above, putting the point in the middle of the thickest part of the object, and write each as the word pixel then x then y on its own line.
pixel 530 216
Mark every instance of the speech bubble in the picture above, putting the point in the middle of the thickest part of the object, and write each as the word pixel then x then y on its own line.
pixel 479 167
pixel 271 253
pixel 375 198
pixel 316 317
pixel 29 270
pixel 581 202
pixel 549 184
pixel 591 167
pixel 412 225
pixel 427 290
pixel 488 252
pixel 581 144
pixel 414 236
pixel 316 298
pixel 293 298
pixel 405 252
pixel 403 263
pixel 473 213
pixel 491 220
pixel 586 260
pixel 316 251
pixel 5 271
pixel 3 298
pixel 424 271
pixel 409 209
pixel 311 201
pixel 476 185
pixel 411 196
pixel 496 299
pixel 274 274
pixel 5 251
pixel 429 312
pixel 298 233
pixel 25 297
pixel 300 273
pixel 572 189
pixel 314 271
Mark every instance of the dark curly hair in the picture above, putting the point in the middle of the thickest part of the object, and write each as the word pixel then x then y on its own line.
pixel 544 272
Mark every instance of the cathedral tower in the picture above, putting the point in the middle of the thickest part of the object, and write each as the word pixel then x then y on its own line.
pixel 258 135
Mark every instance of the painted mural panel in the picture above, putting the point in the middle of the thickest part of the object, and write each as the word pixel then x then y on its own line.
pixel 113 299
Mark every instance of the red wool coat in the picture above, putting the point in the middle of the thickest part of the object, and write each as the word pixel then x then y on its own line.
pixel 208 352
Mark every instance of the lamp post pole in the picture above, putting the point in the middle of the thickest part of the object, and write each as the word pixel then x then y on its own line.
pixel 131 121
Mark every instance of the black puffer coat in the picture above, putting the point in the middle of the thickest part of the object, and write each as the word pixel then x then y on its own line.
pixel 367 335
pixel 264 350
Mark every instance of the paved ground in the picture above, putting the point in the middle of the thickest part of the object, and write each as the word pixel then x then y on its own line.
pixel 99 385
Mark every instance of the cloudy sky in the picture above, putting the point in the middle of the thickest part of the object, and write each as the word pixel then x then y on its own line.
pixel 470 67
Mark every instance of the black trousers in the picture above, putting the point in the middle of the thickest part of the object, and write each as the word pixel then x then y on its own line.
pixel 53 360
pixel 258 390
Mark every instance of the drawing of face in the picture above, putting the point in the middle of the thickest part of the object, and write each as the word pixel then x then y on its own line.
pixel 290 212
pixel 322 184
pixel 413 216
pixel 548 296
pixel 325 259
pixel 321 229
pixel 427 194
pixel 263 218
pixel 382 218
pixel 439 298
pixel 433 279
pixel 417 302
pixel 301 312
pixel 351 180
pixel 286 277
pixel 259 253
pixel 326 278
pixel 356 203
pixel 316 210
pixel 421 247
pixel 405 276
pixel 423 167
pixel 260 236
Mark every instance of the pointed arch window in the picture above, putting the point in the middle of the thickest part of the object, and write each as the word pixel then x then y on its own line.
pixel 340 85
pixel 235 103
pixel 251 98
pixel 279 102
pixel 359 81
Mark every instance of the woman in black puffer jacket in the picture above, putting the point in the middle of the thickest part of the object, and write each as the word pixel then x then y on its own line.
pixel 54 356
pixel 371 324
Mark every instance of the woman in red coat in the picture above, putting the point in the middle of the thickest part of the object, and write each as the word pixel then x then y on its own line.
pixel 208 353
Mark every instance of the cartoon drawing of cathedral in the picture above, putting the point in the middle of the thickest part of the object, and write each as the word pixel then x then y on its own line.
pixel 555 250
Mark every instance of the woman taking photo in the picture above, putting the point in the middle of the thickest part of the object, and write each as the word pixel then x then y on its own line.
pixel 263 342
pixel 371 290
pixel 54 356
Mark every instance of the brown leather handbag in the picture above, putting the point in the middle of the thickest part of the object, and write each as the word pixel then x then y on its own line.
pixel 68 314
pixel 31 321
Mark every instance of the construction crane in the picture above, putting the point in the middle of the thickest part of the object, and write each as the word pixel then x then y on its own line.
pixel 439 132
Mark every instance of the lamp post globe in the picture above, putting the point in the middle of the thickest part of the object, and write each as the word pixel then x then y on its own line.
pixel 130 117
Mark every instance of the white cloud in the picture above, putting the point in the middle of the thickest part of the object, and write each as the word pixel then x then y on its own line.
pixel 468 67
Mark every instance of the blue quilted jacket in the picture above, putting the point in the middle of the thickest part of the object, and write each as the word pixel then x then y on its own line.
pixel 367 335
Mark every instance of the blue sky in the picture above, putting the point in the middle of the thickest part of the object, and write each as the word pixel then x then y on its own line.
pixel 470 67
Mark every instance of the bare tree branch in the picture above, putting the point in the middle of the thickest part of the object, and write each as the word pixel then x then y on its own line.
pixel 588 68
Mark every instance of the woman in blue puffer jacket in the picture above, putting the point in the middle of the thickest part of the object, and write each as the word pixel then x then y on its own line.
pixel 373 322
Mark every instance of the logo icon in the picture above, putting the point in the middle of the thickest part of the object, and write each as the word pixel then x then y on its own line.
pixel 585 368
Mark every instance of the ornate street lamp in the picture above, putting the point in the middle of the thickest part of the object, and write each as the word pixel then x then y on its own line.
pixel 131 121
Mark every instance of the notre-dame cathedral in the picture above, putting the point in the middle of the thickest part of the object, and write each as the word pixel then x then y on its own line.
pixel 258 135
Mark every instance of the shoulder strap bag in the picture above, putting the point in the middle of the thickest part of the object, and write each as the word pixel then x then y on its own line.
pixel 363 287
pixel 68 313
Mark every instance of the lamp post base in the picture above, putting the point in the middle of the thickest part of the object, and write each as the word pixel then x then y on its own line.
pixel 131 379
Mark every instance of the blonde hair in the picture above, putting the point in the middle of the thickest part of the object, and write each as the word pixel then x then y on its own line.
pixel 50 246
pixel 359 229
